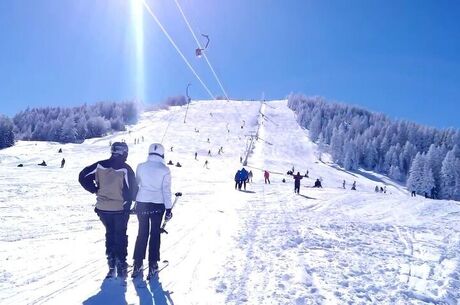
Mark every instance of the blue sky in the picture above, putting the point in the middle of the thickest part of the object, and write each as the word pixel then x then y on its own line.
pixel 401 58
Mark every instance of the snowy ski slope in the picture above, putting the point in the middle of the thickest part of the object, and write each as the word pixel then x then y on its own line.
pixel 263 246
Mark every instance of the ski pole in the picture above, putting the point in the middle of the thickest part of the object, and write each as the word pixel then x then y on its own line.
pixel 162 229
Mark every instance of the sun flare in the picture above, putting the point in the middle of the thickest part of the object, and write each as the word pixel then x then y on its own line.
pixel 138 32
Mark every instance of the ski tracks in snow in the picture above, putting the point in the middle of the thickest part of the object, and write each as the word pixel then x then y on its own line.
pixel 430 266
pixel 336 260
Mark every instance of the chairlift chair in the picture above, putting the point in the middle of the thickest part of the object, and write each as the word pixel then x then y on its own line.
pixel 199 51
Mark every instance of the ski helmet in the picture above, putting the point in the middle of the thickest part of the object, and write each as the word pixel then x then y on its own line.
pixel 157 149
pixel 119 148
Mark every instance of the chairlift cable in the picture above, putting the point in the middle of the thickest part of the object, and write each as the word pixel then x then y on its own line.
pixel 149 10
pixel 199 45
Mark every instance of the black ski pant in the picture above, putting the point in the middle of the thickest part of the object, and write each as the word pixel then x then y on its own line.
pixel 297 188
pixel 149 216
pixel 116 240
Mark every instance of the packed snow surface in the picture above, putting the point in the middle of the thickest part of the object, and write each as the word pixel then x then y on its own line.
pixel 265 245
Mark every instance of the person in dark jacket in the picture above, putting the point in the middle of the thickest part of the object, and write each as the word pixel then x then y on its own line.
pixel 250 175
pixel 237 180
pixel 433 192
pixel 62 162
pixel 297 179
pixel 353 186
pixel 318 183
pixel 114 183
pixel 244 177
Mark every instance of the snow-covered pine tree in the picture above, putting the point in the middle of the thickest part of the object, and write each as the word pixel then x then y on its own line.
pixel 315 126
pixel 408 154
pixel 6 132
pixel 350 161
pixel 448 176
pixel 457 179
pixel 434 158
pixel 69 131
pixel 415 181
pixel 428 179
pixel 336 147
pixel 395 173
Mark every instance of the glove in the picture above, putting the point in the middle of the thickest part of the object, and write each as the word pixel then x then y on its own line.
pixel 93 189
pixel 133 210
pixel 127 207
pixel 168 215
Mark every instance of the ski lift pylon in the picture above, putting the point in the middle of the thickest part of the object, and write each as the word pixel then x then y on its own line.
pixel 188 101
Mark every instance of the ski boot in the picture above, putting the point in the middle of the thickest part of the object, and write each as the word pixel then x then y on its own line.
pixel 153 270
pixel 111 264
pixel 122 269
pixel 111 273
pixel 137 269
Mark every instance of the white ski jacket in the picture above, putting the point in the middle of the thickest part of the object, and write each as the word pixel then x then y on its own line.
pixel 154 180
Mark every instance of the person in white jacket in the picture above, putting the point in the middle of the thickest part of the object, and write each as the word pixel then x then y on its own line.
pixel 152 200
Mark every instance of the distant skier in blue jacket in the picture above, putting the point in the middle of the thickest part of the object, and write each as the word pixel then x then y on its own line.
pixel 237 180
pixel 244 175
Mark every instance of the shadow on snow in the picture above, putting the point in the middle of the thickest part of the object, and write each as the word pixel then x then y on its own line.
pixel 307 197
pixel 250 192
pixel 113 292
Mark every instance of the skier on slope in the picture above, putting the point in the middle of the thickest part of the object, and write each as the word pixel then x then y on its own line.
pixel 243 177
pixel 267 177
pixel 318 183
pixel 152 201
pixel 237 179
pixel 115 186
pixel 297 179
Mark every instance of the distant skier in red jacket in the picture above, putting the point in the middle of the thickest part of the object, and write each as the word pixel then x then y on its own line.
pixel 267 177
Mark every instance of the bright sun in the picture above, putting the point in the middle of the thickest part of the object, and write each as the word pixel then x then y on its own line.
pixel 137 8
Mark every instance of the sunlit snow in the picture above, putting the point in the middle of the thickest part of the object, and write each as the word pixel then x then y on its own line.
pixel 263 246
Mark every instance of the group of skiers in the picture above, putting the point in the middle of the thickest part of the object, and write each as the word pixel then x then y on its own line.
pixel 177 163
pixel 353 186
pixel 433 193
pixel 136 140
pixel 382 189
pixel 43 163
pixel 242 177
pixel 116 187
